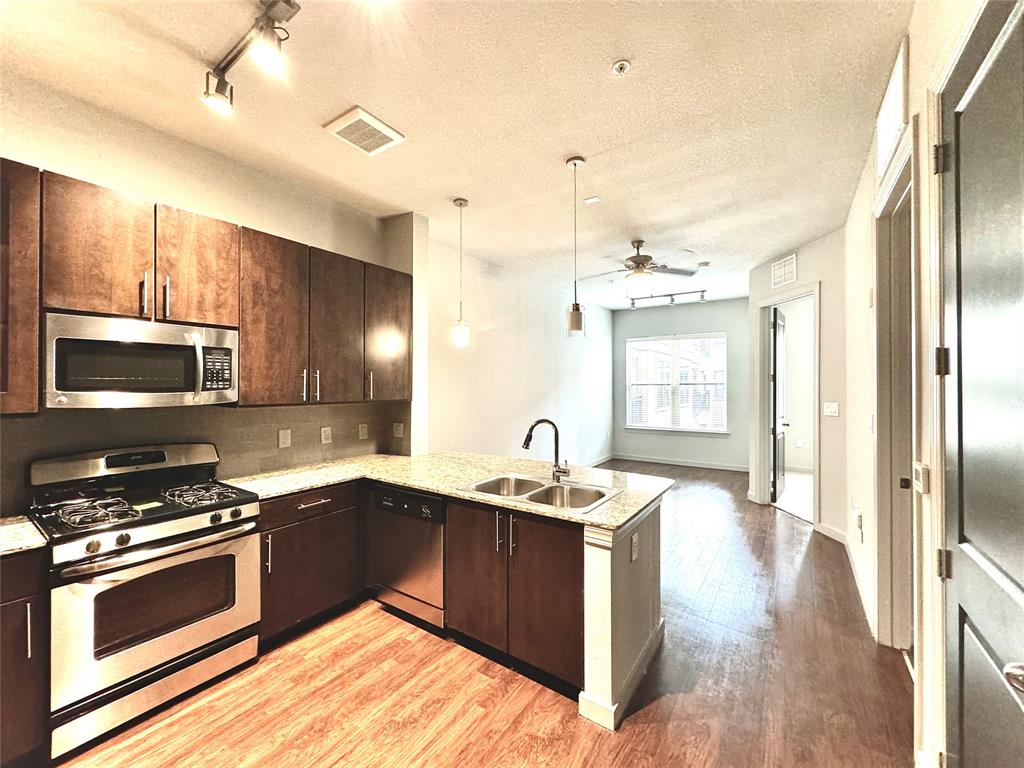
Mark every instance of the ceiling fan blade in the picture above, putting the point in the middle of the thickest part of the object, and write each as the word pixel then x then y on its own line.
pixel 603 274
pixel 662 269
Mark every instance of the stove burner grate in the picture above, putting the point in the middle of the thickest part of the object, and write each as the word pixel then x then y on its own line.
pixel 90 512
pixel 202 493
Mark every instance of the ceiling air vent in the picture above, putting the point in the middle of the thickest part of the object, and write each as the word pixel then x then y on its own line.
pixel 364 131
pixel 784 271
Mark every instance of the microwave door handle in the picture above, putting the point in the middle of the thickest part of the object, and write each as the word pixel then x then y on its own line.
pixel 197 342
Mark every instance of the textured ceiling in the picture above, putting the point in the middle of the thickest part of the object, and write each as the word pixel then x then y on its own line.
pixel 739 132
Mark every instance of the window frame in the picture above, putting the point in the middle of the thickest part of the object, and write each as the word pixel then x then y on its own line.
pixel 673 337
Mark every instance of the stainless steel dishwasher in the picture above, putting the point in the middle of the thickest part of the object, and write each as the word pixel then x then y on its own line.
pixel 406 551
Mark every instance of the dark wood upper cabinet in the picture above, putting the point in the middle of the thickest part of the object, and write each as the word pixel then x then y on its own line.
pixel 335 327
pixel 308 567
pixel 388 334
pixel 545 596
pixel 97 249
pixel 273 320
pixel 196 268
pixel 476 573
pixel 19 288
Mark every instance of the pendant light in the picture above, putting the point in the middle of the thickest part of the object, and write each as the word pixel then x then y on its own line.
pixel 574 319
pixel 460 328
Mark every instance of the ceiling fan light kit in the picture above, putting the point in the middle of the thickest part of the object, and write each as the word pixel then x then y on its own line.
pixel 575 319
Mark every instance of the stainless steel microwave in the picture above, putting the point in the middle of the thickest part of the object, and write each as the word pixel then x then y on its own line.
pixel 109 362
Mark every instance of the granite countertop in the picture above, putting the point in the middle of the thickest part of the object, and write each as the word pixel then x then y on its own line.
pixel 19 534
pixel 451 474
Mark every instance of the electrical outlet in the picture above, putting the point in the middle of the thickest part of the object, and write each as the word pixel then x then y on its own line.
pixel 325 435
pixel 364 432
pixel 284 438
pixel 830 408
pixel 398 429
pixel 634 547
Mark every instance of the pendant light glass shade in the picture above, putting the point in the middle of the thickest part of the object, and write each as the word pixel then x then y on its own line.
pixel 575 318
pixel 460 335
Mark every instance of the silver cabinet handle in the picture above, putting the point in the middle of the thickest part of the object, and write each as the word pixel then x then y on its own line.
pixel 304 376
pixel 1014 674
pixel 145 293
pixel 318 385
pixel 28 630
pixel 371 385
pixel 497 531
pixel 167 297
pixel 313 504
pixel 270 552
pixel 511 529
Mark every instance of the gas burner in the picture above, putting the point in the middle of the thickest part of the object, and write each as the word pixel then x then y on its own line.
pixel 202 493
pixel 89 512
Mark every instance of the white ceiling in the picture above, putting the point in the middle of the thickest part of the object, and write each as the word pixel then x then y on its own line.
pixel 739 132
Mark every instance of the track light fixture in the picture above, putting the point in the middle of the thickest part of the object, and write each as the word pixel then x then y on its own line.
pixel 263 44
pixel 671 297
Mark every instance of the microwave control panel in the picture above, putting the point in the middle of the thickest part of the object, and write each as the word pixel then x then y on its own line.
pixel 216 368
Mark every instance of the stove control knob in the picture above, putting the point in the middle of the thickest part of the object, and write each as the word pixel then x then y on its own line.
pixel 215 518
pixel 236 513
pixel 122 539
pixel 93 546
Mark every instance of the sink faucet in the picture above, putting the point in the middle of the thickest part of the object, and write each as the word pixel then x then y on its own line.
pixel 558 471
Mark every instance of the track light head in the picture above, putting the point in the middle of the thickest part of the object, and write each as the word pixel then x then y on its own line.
pixel 220 94
pixel 265 49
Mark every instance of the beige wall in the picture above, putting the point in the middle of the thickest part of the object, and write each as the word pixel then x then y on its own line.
pixel 936 31
pixel 819 262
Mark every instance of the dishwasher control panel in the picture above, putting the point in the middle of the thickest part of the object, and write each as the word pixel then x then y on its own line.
pixel 411 504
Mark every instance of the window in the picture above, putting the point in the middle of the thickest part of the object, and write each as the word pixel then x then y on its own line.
pixel 677 382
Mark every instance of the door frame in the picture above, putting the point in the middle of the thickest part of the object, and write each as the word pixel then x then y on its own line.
pixel 895 547
pixel 761 456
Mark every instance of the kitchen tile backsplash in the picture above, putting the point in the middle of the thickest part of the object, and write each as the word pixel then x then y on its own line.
pixel 246 438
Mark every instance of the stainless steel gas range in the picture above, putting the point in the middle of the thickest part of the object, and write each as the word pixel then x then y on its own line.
pixel 155 581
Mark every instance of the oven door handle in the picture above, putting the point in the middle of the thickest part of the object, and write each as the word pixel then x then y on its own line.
pixel 142 555
pixel 197 342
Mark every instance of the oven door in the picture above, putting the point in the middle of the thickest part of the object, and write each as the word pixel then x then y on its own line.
pixel 102 362
pixel 109 627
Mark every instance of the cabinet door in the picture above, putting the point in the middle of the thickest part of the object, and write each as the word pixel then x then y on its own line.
pixel 388 334
pixel 309 567
pixel 273 331
pixel 335 327
pixel 476 573
pixel 545 596
pixel 196 268
pixel 97 249
pixel 23 686
pixel 19 292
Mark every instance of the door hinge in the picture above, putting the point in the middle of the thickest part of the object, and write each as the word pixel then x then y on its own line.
pixel 942 361
pixel 944 564
pixel 940 158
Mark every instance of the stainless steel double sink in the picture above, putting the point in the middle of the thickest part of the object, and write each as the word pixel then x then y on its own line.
pixel 567 494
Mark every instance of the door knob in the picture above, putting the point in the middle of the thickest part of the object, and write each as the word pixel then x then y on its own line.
pixel 1014 674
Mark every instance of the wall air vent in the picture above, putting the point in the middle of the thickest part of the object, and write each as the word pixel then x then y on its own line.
pixel 784 271
pixel 364 131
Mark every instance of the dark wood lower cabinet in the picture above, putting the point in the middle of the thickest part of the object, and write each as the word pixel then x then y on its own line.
pixel 308 567
pixel 24 647
pixel 525 599
pixel 476 573
pixel 545 596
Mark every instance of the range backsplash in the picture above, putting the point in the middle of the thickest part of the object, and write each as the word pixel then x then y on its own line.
pixel 245 437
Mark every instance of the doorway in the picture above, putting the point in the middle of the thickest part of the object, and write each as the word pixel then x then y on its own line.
pixel 793 408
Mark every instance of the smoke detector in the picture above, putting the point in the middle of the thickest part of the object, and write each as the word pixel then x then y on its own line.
pixel 364 131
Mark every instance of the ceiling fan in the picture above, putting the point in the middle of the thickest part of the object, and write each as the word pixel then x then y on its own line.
pixel 641 267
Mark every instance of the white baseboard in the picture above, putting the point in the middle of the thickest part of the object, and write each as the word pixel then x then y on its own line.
pixel 832 533
pixel 601 460
pixel 679 463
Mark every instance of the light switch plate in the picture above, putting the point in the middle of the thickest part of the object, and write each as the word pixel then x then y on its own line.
pixel 325 435
pixel 830 408
pixel 284 438
pixel 363 432
pixel 398 429
pixel 634 547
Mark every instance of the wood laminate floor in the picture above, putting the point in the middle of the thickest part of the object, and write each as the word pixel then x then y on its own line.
pixel 767 662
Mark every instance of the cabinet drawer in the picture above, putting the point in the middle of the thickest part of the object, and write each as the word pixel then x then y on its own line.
pixel 303 506
pixel 21 575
